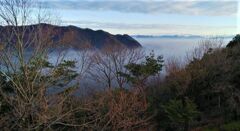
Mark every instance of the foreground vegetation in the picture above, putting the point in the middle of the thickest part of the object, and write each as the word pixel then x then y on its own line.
pixel 37 94
pixel 202 95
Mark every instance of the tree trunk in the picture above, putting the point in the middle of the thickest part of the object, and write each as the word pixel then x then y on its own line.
pixel 186 125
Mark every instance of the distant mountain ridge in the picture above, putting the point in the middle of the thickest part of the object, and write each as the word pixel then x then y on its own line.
pixel 181 36
pixel 75 37
pixel 167 36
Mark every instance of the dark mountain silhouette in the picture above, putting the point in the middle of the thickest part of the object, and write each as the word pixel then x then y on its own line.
pixel 71 36
pixel 234 42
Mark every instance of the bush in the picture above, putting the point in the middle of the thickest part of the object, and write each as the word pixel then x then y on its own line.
pixel 181 113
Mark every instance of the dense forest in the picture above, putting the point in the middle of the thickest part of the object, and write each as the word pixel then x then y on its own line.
pixel 202 95
pixel 36 94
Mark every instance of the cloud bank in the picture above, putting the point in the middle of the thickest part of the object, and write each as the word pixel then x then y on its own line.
pixel 155 29
pixel 187 7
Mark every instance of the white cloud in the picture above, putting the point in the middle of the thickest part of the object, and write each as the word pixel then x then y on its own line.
pixel 188 7
pixel 156 29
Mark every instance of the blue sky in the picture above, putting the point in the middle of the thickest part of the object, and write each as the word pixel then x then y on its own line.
pixel 150 17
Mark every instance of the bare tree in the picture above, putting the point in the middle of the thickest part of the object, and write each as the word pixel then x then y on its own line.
pixel 24 53
pixel 121 57
pixel 108 62
pixel 29 79
pixel 84 62
pixel 204 46
pixel 174 64
pixel 117 110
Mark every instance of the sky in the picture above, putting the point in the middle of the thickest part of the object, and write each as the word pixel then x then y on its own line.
pixel 151 17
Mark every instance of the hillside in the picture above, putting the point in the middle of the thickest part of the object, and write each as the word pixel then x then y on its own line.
pixel 70 36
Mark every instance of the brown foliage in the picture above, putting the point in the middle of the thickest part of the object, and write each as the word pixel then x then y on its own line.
pixel 118 110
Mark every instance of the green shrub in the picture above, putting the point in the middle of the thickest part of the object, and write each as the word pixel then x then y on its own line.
pixel 181 112
pixel 233 126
